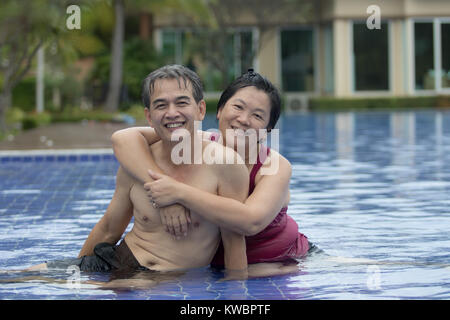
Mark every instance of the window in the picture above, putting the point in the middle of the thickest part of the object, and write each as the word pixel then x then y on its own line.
pixel 371 57
pixel 424 56
pixel 297 60
pixel 445 54
pixel 432 54
pixel 185 47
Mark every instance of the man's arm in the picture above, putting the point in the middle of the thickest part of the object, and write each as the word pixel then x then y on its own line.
pixel 116 218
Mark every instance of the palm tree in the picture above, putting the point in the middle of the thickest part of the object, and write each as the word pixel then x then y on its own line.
pixel 115 78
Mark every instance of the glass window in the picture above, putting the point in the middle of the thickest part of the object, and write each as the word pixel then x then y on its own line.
pixel 246 51
pixel 169 45
pixel 186 47
pixel 238 58
pixel 424 52
pixel 445 42
pixel 297 60
pixel 371 57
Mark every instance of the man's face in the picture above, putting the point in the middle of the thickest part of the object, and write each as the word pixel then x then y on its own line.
pixel 172 107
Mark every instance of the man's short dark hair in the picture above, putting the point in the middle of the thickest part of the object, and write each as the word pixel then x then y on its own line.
pixel 254 79
pixel 174 71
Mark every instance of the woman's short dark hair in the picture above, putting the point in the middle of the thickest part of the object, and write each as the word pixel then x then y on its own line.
pixel 174 71
pixel 253 79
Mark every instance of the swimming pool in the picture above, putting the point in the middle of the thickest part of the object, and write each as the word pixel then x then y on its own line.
pixel 373 185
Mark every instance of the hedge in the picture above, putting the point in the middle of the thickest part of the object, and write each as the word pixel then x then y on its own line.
pixel 388 103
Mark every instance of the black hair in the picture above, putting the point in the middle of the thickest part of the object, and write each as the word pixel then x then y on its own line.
pixel 254 79
pixel 174 71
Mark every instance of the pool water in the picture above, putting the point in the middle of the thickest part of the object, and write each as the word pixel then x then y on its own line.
pixel 372 185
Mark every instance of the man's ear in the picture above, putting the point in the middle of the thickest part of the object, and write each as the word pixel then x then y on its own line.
pixel 202 109
pixel 147 116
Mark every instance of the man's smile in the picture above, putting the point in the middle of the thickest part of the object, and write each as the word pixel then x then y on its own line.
pixel 174 125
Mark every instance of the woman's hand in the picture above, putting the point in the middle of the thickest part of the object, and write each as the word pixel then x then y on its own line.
pixel 163 191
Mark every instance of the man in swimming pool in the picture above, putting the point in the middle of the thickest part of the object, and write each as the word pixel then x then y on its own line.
pixel 175 101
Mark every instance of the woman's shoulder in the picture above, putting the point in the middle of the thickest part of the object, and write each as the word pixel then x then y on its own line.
pixel 275 159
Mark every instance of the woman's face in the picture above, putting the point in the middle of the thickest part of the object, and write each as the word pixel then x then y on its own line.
pixel 248 108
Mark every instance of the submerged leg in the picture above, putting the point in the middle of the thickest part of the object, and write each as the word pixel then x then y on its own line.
pixel 267 269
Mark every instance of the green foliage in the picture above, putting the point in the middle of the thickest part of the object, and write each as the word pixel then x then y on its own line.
pixel 34 120
pixel 211 105
pixel 136 111
pixel 76 114
pixel 140 58
pixel 443 101
pixel 24 95
pixel 14 115
pixel 330 104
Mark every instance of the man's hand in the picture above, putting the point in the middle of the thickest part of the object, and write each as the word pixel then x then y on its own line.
pixel 176 218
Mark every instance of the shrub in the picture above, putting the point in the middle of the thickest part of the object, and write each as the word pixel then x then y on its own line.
pixel 330 103
pixel 76 114
pixel 34 120
pixel 211 105
pixel 140 58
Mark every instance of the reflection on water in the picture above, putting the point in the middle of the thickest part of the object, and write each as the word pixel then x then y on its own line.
pixel 373 185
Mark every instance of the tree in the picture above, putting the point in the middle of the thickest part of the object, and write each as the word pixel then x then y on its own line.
pixel 146 9
pixel 26 26
pixel 115 79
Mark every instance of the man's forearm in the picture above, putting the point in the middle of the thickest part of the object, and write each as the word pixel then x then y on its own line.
pixel 97 235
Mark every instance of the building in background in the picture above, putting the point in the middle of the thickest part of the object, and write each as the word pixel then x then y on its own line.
pixel 328 50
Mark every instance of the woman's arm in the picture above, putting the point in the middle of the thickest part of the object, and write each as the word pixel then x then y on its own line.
pixel 247 218
pixel 131 148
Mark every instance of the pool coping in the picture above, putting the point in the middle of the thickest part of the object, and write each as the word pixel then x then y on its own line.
pixel 56 155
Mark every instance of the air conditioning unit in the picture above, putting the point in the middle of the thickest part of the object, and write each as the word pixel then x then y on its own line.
pixel 296 103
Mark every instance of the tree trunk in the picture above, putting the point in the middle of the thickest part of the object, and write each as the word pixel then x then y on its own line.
pixel 145 25
pixel 115 79
pixel 5 103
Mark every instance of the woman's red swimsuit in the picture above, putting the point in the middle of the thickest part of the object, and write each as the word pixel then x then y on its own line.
pixel 279 241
